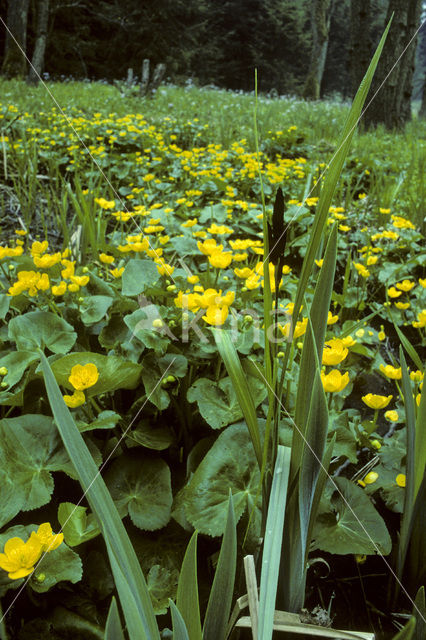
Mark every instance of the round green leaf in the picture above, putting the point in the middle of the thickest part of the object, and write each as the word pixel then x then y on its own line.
pixel 352 524
pixel 143 486
pixel 114 372
pixel 138 275
pixel 230 464
pixel 94 308
pixel 41 329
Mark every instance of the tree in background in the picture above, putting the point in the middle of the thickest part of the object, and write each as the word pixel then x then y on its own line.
pixel 37 62
pixel 392 105
pixel 14 62
pixel 320 27
pixel 360 41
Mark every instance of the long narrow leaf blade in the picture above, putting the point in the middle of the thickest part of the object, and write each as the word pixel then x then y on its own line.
pixel 235 371
pixel 273 542
pixel 113 629
pixel 333 175
pixel 180 632
pixel 103 507
pixel 220 600
pixel 313 346
pixel 187 591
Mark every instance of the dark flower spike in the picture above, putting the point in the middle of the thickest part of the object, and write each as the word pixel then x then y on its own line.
pixel 277 234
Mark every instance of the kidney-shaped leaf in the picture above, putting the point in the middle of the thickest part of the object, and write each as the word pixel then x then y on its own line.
pixel 30 448
pixel 352 525
pixel 114 372
pixel 230 464
pixel 143 486
pixel 41 329
pixel 138 275
pixel 218 402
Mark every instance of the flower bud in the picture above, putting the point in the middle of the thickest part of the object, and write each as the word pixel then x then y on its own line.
pixel 3 371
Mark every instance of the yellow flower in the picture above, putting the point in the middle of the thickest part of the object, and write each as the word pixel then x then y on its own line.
pixel 299 330
pixel 76 400
pixel 220 260
pixel 209 246
pixel 80 281
pixel 334 352
pixel 332 319
pixel 400 480
pixel 375 401
pixel 422 282
pixel 371 477
pixel 46 261
pixel 334 381
pixel 105 204
pixel 19 557
pixel 401 223
pixel 117 273
pixel 405 285
pixel 193 279
pixel 319 263
pixel 417 376
pixel 348 341
pixel 219 229
pixel 391 372
pixel 37 248
pixel 47 538
pixel 384 210
pixel 362 269
pixel 216 315
pixel 391 415
pixel 106 259
pixel 421 320
pixel 59 290
pixel 402 305
pixel 83 376
pixel 381 334
pixel 394 293
pixel 189 223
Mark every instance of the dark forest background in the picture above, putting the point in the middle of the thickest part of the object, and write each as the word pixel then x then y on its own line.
pixel 312 48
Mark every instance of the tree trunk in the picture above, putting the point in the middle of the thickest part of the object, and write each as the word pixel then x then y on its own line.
pixel 392 105
pixel 422 112
pixel 360 42
pixel 14 62
pixel 37 61
pixel 320 26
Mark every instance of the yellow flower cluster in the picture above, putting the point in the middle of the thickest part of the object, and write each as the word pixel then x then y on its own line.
pixel 82 377
pixel 19 558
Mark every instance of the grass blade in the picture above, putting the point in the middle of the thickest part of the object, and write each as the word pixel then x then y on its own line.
pixel 239 381
pixel 120 548
pixel 273 542
pixel 113 629
pixel 180 631
pixel 333 175
pixel 187 591
pixel 313 347
pixel 220 600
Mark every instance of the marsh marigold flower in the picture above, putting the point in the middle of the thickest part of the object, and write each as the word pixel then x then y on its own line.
pixel 421 320
pixel 47 538
pixel 334 352
pixel 391 415
pixel 19 557
pixel 334 381
pixel 375 401
pixel 76 400
pixel 391 372
pixel 83 376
